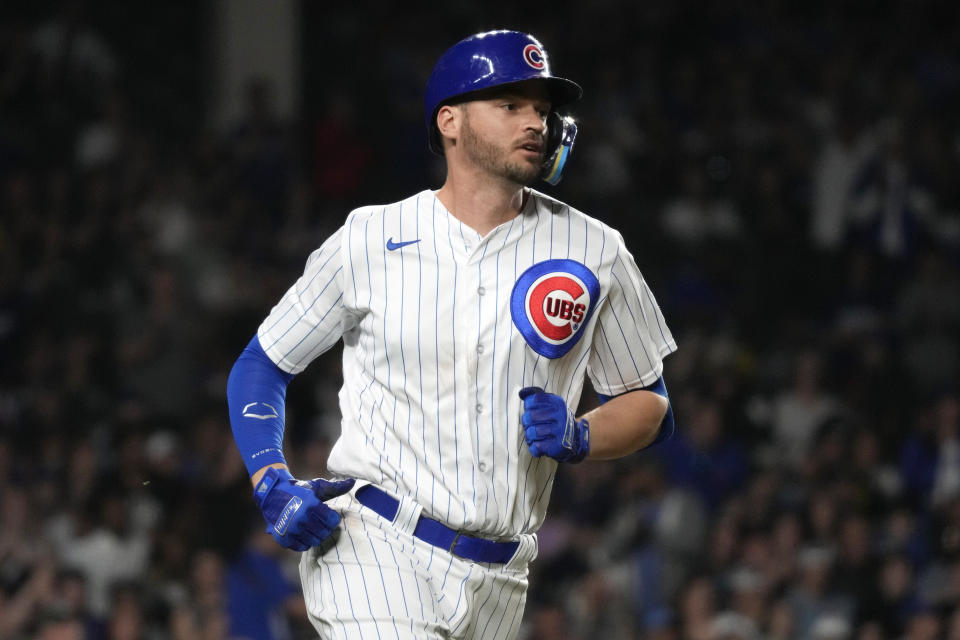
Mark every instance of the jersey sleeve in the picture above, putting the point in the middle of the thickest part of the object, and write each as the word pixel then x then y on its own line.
pixel 631 337
pixel 311 316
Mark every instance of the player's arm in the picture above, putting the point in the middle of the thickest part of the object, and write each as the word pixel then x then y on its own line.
pixel 295 512
pixel 626 362
pixel 309 319
pixel 629 422
pixel 256 398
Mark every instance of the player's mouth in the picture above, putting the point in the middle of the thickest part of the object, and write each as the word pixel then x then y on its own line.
pixel 531 148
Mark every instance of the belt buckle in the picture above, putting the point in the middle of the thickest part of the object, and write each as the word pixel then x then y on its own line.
pixel 453 544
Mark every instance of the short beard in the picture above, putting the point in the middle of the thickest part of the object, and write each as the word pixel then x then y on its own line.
pixel 493 159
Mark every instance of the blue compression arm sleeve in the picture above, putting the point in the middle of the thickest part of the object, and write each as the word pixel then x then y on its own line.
pixel 256 392
pixel 666 427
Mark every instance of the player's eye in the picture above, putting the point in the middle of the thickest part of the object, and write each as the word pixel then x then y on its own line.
pixel 508 106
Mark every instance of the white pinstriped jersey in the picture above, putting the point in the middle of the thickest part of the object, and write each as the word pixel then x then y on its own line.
pixel 436 346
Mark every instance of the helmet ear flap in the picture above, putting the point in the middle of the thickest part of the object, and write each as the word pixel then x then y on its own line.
pixel 561 133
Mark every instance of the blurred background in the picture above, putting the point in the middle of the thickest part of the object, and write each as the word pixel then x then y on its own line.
pixel 785 174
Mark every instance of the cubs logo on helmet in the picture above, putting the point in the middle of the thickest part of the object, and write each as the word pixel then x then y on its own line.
pixel 534 57
pixel 551 303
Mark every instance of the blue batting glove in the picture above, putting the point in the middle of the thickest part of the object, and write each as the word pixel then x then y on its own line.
pixel 551 428
pixel 294 510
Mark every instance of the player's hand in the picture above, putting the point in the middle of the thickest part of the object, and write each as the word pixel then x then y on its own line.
pixel 294 510
pixel 551 428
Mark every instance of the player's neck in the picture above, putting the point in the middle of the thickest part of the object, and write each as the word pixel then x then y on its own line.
pixel 482 205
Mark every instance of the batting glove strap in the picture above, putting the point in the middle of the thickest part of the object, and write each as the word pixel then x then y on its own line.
pixel 581 440
pixel 551 429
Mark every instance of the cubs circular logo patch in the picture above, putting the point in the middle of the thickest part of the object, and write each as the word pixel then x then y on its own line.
pixel 551 303
pixel 533 55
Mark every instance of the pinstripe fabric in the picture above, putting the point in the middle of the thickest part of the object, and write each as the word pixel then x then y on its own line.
pixel 433 362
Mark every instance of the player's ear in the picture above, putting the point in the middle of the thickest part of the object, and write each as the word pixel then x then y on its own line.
pixel 449 117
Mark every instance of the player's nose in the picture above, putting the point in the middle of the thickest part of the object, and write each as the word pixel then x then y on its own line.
pixel 534 120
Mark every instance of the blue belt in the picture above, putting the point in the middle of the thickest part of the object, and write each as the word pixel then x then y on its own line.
pixel 437 533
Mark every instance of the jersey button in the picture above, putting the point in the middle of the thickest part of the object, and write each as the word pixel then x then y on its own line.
pixel 482 466
pixel 479 408
pixel 479 348
pixel 481 291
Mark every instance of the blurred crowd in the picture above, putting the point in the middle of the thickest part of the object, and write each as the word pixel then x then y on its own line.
pixel 785 178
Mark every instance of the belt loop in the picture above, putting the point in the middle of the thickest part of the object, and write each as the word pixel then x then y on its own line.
pixel 453 544
pixel 407 515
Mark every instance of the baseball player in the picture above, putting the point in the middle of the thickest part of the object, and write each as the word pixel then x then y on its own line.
pixel 469 317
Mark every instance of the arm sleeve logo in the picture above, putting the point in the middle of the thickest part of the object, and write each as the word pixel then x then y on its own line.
pixel 253 410
pixel 551 303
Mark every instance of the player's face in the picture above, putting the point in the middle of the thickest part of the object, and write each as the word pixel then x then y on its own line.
pixel 505 134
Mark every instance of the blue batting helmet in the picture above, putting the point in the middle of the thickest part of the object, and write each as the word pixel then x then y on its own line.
pixel 496 58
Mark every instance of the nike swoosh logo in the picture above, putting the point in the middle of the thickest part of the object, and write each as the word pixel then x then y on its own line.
pixel 393 246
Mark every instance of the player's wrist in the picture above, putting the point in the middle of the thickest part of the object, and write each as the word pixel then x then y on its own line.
pixel 581 448
pixel 270 478
pixel 259 473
